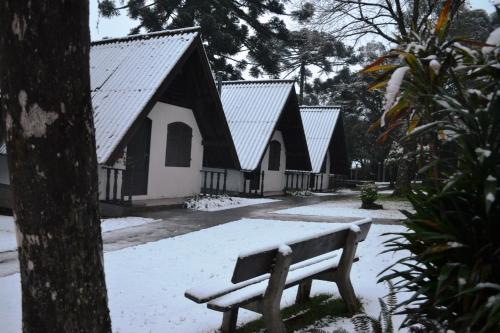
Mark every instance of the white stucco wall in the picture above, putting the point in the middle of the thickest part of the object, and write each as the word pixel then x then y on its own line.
pixel 4 170
pixel 326 174
pixel 165 181
pixel 274 180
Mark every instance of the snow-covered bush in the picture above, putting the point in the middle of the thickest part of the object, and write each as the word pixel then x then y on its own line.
pixel 299 193
pixel 447 98
pixel 369 195
pixel 200 201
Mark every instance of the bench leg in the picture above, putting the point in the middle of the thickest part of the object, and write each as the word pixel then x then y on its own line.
pixel 303 292
pixel 274 291
pixel 347 293
pixel 272 318
pixel 343 274
pixel 229 319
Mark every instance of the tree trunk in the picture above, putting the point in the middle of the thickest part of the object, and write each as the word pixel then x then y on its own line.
pixel 302 79
pixel 405 170
pixel 47 114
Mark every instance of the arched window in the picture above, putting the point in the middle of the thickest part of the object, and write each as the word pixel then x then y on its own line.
pixel 179 136
pixel 274 155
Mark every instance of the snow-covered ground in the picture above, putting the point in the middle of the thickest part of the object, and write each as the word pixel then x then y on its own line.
pixel 212 204
pixel 351 208
pixel 8 236
pixel 146 283
pixel 341 192
pixel 386 192
pixel 124 222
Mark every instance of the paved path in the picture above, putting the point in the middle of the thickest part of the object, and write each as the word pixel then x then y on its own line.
pixel 179 221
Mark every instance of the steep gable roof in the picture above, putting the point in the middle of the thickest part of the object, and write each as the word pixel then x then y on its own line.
pixel 253 109
pixel 319 125
pixel 125 74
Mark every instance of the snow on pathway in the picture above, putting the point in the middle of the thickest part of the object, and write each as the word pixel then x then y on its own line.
pixel 341 192
pixel 8 233
pixel 124 222
pixel 351 208
pixel 146 283
pixel 214 204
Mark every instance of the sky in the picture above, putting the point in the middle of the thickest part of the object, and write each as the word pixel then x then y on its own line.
pixel 119 26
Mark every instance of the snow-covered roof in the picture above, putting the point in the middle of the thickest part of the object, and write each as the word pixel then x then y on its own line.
pixel 125 74
pixel 252 111
pixel 319 124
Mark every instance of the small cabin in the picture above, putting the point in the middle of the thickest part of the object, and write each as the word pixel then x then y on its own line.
pixel 265 124
pixel 325 137
pixel 158 118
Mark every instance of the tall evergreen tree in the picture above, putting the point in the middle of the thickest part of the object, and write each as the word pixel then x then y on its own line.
pixel 47 119
pixel 301 52
pixel 360 107
pixel 471 24
pixel 229 27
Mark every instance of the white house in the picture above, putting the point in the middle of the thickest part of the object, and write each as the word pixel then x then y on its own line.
pixel 267 131
pixel 324 130
pixel 157 115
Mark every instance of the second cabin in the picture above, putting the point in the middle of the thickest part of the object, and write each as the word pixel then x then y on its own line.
pixel 265 124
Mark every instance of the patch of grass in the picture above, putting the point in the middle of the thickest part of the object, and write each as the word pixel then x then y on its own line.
pixel 321 309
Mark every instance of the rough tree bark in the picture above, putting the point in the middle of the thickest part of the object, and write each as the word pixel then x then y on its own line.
pixel 47 114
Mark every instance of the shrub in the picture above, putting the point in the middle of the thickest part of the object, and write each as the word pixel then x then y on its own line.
pixel 299 193
pixel 369 195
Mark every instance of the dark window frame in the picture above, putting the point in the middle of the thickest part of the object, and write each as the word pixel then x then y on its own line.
pixel 179 145
pixel 274 162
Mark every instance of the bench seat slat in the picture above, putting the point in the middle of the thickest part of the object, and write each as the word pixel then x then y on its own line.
pixel 218 288
pixel 255 291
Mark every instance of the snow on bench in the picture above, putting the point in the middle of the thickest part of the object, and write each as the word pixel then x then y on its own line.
pixel 260 276
pixel 228 301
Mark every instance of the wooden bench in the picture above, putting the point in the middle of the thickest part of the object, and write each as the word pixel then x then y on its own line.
pixel 260 277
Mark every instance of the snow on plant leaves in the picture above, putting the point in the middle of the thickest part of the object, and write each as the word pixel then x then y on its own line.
pixel 392 90
pixel 493 40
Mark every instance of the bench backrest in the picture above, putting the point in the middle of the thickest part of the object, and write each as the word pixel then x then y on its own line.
pixel 255 264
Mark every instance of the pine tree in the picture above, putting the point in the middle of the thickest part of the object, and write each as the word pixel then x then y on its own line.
pixel 360 107
pixel 228 26
pixel 302 51
pixel 47 119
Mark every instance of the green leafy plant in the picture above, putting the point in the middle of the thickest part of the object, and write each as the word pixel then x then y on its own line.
pixel 364 323
pixel 445 94
pixel 369 195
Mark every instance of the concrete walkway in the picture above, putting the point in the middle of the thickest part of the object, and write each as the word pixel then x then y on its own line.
pixel 179 221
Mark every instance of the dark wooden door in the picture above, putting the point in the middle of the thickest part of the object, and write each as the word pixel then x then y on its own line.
pixel 136 180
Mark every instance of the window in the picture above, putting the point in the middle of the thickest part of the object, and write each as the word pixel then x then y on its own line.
pixel 274 155
pixel 179 136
